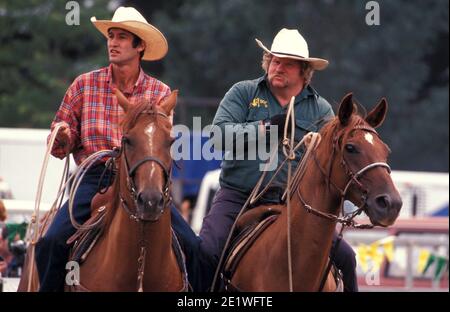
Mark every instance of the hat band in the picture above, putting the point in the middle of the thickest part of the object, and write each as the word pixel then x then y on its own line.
pixel 287 54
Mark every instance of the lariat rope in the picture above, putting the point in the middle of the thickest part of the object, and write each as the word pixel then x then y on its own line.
pixel 311 141
pixel 78 177
pixel 289 152
pixel 34 232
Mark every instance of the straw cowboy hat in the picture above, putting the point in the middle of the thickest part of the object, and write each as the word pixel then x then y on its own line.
pixel 130 19
pixel 288 43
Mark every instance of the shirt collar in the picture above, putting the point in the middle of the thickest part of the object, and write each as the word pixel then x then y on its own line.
pixel 141 77
pixel 262 79
pixel 138 82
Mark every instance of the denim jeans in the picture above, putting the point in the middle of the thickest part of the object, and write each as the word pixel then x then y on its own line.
pixel 52 251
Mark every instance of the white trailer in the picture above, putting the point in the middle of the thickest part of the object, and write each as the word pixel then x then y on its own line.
pixel 22 153
pixel 423 193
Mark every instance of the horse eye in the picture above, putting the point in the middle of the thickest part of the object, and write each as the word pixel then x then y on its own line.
pixel 351 148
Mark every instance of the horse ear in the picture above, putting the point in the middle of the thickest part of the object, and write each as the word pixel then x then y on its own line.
pixel 121 99
pixel 169 103
pixel 376 116
pixel 346 109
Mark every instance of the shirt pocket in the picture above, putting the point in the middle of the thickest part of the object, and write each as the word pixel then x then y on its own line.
pixel 256 114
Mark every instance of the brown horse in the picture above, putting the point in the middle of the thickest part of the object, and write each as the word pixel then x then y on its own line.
pixel 135 251
pixel 349 163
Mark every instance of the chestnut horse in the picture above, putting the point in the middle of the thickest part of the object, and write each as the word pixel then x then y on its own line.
pixel 348 163
pixel 135 252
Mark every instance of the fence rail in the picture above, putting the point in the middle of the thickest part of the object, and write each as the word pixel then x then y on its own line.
pixel 410 241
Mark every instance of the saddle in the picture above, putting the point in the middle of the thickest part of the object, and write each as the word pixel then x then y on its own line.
pixel 84 239
pixel 248 228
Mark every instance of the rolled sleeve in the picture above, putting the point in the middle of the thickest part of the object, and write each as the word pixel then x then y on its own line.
pixel 69 112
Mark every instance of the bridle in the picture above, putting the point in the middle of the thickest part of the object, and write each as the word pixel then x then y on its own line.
pixel 353 178
pixel 131 186
pixel 130 171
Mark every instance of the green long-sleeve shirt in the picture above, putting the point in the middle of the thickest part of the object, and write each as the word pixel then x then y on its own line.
pixel 238 116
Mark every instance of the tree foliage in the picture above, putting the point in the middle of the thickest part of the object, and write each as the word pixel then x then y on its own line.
pixel 211 46
pixel 404 59
pixel 40 55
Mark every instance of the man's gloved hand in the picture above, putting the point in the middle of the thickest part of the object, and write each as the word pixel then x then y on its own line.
pixel 280 121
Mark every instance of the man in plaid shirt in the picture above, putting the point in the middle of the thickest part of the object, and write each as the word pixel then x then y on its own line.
pixel 89 117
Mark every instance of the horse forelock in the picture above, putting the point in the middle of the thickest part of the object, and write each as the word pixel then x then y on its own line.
pixel 132 115
pixel 333 133
pixel 334 129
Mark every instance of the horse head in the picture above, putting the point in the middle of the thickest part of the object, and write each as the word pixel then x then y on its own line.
pixel 146 156
pixel 358 165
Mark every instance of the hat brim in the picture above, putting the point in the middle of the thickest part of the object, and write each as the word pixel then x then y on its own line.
pixel 156 46
pixel 316 63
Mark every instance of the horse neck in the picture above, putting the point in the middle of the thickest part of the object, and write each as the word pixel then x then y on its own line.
pixel 311 235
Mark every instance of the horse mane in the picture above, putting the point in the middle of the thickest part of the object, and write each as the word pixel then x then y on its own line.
pixel 131 116
pixel 333 126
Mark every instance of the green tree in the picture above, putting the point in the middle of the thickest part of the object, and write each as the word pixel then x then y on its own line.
pixel 40 55
pixel 211 46
pixel 404 59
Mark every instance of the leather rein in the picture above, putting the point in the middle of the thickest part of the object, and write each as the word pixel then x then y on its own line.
pixel 131 171
pixel 353 179
pixel 131 186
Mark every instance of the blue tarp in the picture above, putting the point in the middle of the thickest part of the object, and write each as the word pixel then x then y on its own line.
pixel 192 170
pixel 442 212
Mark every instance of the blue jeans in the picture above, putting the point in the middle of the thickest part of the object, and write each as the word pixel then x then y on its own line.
pixel 203 252
pixel 345 260
pixel 52 251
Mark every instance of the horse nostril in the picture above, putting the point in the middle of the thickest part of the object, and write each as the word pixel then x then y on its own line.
pixel 144 201
pixel 383 201
pixel 140 200
pixel 150 200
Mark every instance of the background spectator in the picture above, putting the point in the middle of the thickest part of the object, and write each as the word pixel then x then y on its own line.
pixel 5 190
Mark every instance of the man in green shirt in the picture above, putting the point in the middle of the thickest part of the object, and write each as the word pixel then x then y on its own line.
pixel 247 114
pixel 251 106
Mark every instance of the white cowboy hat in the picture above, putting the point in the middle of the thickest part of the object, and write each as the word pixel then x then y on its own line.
pixel 288 43
pixel 130 19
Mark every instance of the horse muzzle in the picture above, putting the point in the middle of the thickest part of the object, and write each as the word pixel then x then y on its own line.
pixel 149 206
pixel 384 209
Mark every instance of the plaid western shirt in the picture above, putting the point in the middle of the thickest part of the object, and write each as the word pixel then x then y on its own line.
pixel 91 110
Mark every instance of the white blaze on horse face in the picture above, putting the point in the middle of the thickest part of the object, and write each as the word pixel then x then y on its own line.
pixel 149 132
pixel 369 138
